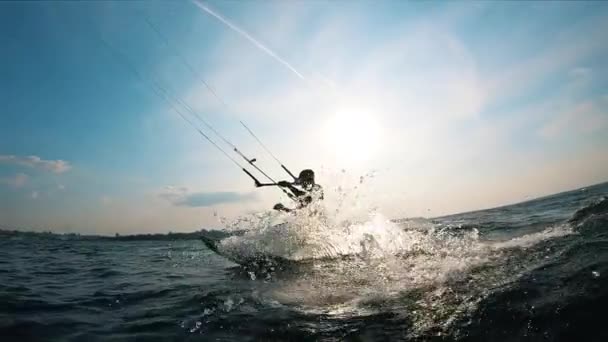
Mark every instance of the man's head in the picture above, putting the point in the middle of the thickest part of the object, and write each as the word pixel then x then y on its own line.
pixel 306 179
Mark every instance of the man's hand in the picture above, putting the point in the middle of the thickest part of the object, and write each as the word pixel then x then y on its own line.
pixel 281 207
pixel 283 183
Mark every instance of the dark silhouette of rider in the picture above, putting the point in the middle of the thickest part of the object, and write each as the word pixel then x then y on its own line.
pixel 304 190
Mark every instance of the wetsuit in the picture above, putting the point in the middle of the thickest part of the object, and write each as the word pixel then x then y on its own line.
pixel 302 197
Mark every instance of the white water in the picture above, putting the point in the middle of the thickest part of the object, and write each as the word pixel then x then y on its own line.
pixel 432 267
pixel 304 237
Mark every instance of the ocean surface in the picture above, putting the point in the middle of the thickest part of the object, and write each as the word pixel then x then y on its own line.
pixel 534 271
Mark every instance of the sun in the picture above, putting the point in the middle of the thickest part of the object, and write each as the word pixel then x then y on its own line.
pixel 352 136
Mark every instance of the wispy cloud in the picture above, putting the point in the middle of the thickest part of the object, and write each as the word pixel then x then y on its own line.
pixel 181 196
pixel 56 166
pixel 16 181
pixel 247 36
pixel 585 117
pixel 565 49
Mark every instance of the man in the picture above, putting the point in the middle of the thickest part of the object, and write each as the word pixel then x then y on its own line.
pixel 308 193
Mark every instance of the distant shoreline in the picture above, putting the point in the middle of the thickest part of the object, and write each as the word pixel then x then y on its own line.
pixel 11 232
pixel 4 233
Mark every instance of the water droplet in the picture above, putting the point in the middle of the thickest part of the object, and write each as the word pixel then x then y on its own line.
pixel 595 274
pixel 229 303
pixel 196 327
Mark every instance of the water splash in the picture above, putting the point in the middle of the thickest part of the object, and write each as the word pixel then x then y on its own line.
pixel 428 274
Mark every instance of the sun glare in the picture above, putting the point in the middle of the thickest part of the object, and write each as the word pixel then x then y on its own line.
pixel 352 136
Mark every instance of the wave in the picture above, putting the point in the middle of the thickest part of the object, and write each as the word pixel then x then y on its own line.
pixel 599 207
pixel 313 238
pixel 532 239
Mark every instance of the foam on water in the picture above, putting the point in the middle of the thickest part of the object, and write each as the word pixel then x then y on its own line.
pixel 431 265
pixel 532 239
pixel 431 252
pixel 304 237
pixel 431 274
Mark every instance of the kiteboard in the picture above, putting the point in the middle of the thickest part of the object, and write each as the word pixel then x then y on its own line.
pixel 257 261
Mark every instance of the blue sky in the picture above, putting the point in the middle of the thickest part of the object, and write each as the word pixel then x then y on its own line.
pixel 453 106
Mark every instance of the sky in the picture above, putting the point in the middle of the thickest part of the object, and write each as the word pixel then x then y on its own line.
pixel 407 108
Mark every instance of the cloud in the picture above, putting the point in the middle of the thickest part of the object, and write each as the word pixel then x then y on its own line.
pixel 399 77
pixel 16 181
pixel 415 82
pixel 34 195
pixel 564 50
pixel 585 117
pixel 55 166
pixel 580 73
pixel 247 36
pixel 181 196
pixel 206 199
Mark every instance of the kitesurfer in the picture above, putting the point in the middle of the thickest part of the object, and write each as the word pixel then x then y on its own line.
pixel 304 190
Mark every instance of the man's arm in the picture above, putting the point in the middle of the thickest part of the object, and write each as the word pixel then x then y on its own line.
pixel 285 184
pixel 259 185
pixel 281 207
pixel 295 191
